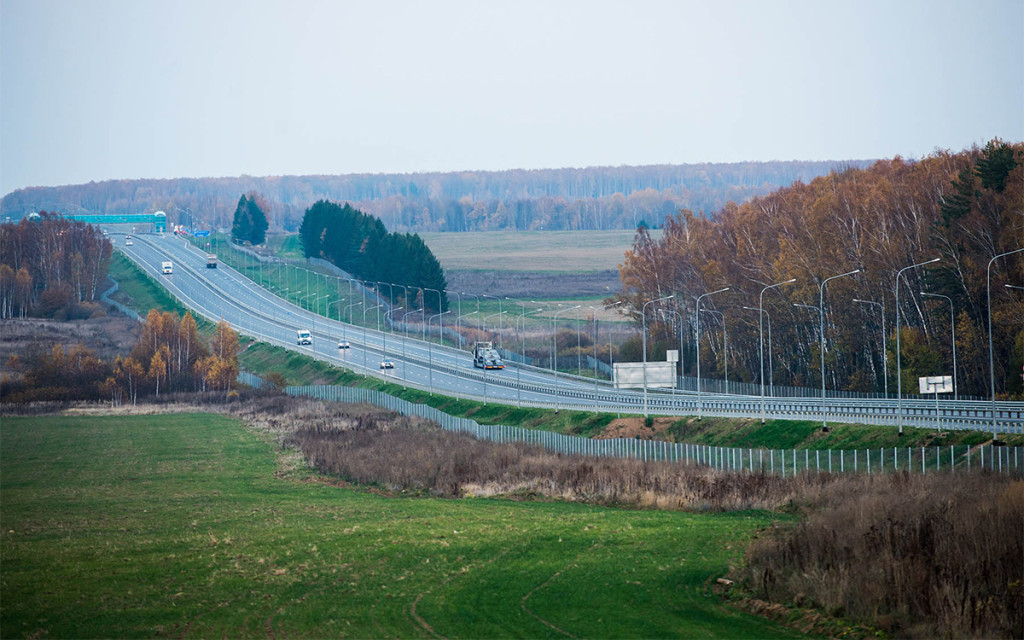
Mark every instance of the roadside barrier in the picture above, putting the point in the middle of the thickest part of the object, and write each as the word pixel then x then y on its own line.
pixel 787 462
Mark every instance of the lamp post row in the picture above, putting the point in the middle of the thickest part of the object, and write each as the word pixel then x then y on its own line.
pixel 761 313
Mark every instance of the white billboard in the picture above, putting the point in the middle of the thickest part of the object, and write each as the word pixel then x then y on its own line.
pixel 936 384
pixel 630 375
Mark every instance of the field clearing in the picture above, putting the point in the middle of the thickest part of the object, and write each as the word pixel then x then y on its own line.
pixel 556 251
pixel 177 525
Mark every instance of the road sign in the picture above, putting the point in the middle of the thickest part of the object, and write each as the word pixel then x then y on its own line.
pixel 630 375
pixel 936 384
pixel 202 234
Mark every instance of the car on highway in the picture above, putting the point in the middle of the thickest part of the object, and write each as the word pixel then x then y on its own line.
pixel 387 363
pixel 128 242
pixel 343 344
pixel 303 336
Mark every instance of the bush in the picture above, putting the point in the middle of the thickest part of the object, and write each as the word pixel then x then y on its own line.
pixel 917 555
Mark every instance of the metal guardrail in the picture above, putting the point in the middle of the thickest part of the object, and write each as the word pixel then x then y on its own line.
pixel 590 395
pixel 776 461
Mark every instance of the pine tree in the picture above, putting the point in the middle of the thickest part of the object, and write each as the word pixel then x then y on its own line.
pixel 241 226
pixel 995 164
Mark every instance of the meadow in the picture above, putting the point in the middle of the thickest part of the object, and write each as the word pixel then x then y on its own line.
pixel 190 525
pixel 557 251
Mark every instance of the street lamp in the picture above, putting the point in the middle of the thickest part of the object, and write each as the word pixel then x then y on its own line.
pixel 885 373
pixel 349 316
pixel 593 310
pixel 364 332
pixel 430 352
pixel 486 318
pixel 821 308
pixel 554 349
pixel 458 319
pixel 725 347
pixel 700 404
pixel 643 318
pixel 771 378
pixel 991 361
pixel 484 295
pixel 440 309
pixel 760 331
pixel 899 377
pixel 385 343
pixel 522 338
pixel 952 328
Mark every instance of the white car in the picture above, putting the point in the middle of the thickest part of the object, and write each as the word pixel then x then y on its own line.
pixel 387 363
pixel 128 243
pixel 343 344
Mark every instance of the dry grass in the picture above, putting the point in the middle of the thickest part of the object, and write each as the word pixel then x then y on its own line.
pixel 916 556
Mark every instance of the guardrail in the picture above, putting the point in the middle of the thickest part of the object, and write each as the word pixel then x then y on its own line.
pixel 776 461
pixel 592 395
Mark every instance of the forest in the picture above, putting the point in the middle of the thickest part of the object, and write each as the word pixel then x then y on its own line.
pixel 963 208
pixel 51 267
pixel 359 244
pixel 552 199
pixel 170 355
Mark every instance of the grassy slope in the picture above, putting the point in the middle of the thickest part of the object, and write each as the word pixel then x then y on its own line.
pixel 177 525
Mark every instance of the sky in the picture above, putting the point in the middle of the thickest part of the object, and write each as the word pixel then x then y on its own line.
pixel 95 90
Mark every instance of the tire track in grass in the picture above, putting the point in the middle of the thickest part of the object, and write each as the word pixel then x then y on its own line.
pixel 418 619
pixel 552 578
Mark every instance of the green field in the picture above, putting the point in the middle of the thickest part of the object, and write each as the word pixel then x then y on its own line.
pixel 176 525
pixel 560 251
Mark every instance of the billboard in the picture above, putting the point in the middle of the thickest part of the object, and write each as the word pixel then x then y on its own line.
pixel 630 375
pixel 936 384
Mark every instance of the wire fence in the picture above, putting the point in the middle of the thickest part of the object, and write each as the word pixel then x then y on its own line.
pixel 786 462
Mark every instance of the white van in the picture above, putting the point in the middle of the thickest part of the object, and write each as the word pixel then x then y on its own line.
pixel 303 336
pixel 168 268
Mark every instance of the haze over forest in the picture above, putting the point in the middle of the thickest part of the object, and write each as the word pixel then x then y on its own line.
pixel 540 199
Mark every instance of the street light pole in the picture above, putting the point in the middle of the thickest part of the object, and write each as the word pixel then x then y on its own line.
pixel 991 361
pixel 821 308
pixel 522 339
pixel 700 404
pixel 643 318
pixel 885 372
pixel 554 349
pixel 594 311
pixel 725 347
pixel 760 331
pixel 458 320
pixel 385 334
pixel 952 328
pixel 364 332
pixel 899 370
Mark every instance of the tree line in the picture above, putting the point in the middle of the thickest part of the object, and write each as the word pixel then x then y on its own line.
pixel 964 208
pixel 170 355
pixel 359 244
pixel 51 267
pixel 553 199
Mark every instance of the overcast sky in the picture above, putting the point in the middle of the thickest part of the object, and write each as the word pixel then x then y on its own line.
pixel 108 89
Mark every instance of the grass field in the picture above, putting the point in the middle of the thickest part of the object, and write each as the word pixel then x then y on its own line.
pixel 176 525
pixel 559 251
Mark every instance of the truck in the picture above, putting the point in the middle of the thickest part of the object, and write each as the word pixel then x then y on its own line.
pixel 485 356
pixel 167 268
pixel 211 261
pixel 303 336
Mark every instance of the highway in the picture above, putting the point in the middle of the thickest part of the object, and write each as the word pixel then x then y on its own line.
pixel 224 293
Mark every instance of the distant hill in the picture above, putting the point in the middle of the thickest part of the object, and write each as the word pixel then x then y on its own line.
pixel 520 199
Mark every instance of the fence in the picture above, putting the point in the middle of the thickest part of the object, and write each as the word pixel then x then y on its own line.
pixel 778 461
pixel 105 297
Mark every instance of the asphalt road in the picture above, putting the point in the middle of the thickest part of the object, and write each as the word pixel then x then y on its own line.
pixel 224 293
